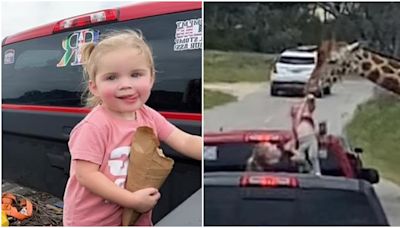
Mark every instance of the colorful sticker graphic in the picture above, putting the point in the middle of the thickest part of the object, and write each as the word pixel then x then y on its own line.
pixel 9 56
pixel 73 44
pixel 188 35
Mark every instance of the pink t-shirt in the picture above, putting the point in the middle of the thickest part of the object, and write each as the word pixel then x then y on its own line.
pixel 105 140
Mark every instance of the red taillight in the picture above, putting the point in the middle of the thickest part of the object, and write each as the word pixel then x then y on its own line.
pixel 87 19
pixel 268 181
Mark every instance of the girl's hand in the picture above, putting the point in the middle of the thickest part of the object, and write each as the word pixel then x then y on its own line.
pixel 145 199
pixel 310 97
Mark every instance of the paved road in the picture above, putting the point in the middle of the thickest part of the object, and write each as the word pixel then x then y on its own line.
pixel 259 110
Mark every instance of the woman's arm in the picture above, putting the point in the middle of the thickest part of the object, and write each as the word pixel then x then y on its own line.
pixel 304 105
pixel 89 176
pixel 187 144
pixel 299 113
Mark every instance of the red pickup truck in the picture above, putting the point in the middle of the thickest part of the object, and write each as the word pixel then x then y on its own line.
pixel 42 87
pixel 230 151
pixel 279 194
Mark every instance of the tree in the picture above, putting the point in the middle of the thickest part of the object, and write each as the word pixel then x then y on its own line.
pixel 274 26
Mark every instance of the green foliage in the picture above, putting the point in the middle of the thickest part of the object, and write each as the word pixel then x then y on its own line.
pixel 270 27
pixel 236 66
pixel 376 128
pixel 214 98
pixel 258 27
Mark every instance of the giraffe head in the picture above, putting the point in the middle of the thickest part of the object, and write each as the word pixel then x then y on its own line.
pixel 334 61
pixel 338 59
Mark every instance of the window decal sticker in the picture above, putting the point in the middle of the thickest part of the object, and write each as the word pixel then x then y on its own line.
pixel 9 56
pixel 188 35
pixel 73 45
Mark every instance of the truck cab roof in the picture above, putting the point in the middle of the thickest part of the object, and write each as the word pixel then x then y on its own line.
pixel 124 13
pixel 289 199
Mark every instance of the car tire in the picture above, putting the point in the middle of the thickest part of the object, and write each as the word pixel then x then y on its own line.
pixel 319 93
pixel 327 90
pixel 273 90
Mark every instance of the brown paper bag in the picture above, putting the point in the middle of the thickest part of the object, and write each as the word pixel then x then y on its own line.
pixel 148 167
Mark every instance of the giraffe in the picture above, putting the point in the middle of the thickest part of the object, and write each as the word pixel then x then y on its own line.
pixel 321 69
pixel 337 59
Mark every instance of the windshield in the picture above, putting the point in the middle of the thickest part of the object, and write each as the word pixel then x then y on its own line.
pixel 237 157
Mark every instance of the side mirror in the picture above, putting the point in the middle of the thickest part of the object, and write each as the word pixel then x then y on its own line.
pixel 358 150
pixel 322 126
pixel 370 175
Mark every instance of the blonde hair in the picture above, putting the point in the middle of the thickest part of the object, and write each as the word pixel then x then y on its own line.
pixel 91 53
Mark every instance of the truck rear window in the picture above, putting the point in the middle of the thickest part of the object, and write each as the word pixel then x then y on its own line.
pixel 41 72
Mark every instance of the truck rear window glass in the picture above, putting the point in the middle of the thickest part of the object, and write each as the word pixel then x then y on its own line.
pixel 282 206
pixel 296 60
pixel 234 156
pixel 39 72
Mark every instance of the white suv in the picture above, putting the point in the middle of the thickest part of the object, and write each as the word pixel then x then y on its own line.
pixel 292 70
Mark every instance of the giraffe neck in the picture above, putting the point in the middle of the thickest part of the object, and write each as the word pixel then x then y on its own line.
pixel 381 70
pixel 313 81
pixel 320 68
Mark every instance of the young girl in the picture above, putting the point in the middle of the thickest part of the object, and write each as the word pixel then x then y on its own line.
pixel 120 74
pixel 264 154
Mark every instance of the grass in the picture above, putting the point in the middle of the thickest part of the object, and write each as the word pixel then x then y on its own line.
pixel 376 128
pixel 214 98
pixel 231 67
